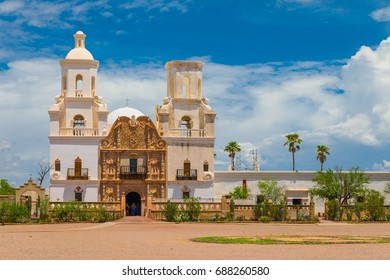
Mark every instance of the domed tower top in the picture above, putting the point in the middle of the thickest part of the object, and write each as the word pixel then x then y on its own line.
pixel 79 51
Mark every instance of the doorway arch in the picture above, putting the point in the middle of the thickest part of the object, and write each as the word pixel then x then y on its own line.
pixel 133 199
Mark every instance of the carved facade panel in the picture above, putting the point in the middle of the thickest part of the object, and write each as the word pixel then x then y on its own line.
pixel 132 159
pixel 133 134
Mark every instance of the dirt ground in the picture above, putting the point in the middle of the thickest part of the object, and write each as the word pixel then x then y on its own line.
pixel 143 239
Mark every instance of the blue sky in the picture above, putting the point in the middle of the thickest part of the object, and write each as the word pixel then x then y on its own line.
pixel 320 68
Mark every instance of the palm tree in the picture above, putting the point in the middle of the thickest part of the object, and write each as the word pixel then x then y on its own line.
pixel 232 148
pixel 293 142
pixel 322 151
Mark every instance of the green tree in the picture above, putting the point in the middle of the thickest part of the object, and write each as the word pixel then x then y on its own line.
pixel 293 142
pixel 5 188
pixel 232 148
pixel 271 191
pixel 387 188
pixel 322 151
pixel 240 193
pixel 375 205
pixel 340 186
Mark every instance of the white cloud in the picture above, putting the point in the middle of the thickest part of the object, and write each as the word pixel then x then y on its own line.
pixel 384 166
pixel 161 5
pixel 381 14
pixel 344 106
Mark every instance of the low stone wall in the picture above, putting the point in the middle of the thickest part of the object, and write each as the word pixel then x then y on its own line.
pixel 243 209
pixel 209 209
pixel 7 198
pixel 115 208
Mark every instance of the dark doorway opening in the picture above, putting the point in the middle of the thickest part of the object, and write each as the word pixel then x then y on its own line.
pixel 133 204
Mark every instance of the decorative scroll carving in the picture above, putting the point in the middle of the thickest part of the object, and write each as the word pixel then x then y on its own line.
pixel 109 194
pixel 128 134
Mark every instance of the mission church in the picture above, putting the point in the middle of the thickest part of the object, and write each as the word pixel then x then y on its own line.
pixel 99 156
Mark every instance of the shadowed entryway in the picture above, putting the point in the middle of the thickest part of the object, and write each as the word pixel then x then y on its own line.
pixel 133 204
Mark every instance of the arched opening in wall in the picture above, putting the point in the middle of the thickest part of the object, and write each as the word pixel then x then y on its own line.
pixel 93 85
pixel 185 122
pixel 78 121
pixel 57 165
pixel 64 84
pixel 199 87
pixel 187 168
pixel 79 85
pixel 186 192
pixel 185 125
pixel 133 204
pixel 77 167
pixel 78 194
pixel 185 87
pixel 30 199
pixel 205 166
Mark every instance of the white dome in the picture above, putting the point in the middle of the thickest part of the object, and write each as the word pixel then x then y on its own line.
pixel 79 53
pixel 123 112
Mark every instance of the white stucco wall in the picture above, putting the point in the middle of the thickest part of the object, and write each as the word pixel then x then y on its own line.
pixel 226 181
pixel 64 190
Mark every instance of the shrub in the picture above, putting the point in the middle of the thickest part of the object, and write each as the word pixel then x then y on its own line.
pixel 375 205
pixel 358 208
pixel 182 216
pixel 170 211
pixel 14 213
pixel 193 208
pixel 265 219
pixel 333 210
pixel 240 193
pixel 276 212
pixel 43 206
pixel 240 218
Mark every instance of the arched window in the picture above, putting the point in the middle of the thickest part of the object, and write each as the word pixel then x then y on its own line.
pixel 57 165
pixel 78 194
pixel 187 168
pixel 93 85
pixel 79 85
pixel 185 87
pixel 185 122
pixel 77 167
pixel 205 166
pixel 78 121
pixel 64 83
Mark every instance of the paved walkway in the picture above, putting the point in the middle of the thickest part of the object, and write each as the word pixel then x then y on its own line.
pixel 142 238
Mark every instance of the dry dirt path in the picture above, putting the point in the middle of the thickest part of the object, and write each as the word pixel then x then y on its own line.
pixel 143 239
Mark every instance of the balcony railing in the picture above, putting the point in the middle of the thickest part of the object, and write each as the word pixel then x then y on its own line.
pixel 179 132
pixel 133 172
pixel 77 174
pixel 79 93
pixel 79 132
pixel 191 174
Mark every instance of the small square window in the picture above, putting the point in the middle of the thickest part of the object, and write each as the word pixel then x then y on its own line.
pixel 78 196
pixel 186 195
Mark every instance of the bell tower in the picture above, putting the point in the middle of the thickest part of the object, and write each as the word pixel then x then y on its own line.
pixel 186 122
pixel 78 121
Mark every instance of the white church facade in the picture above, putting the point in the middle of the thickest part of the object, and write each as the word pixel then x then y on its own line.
pixel 102 156
pixel 98 156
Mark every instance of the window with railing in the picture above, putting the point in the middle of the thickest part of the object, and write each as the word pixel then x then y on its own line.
pixel 133 172
pixel 77 173
pixel 186 174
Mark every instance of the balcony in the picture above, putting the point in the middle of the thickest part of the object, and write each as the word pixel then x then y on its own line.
pixel 187 132
pixel 191 174
pixel 77 174
pixel 79 132
pixel 133 172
